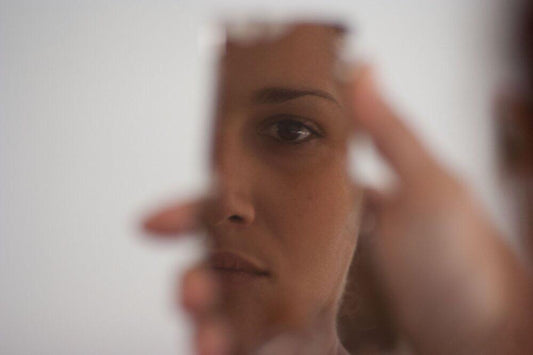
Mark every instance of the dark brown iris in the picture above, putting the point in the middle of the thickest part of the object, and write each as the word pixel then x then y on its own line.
pixel 292 131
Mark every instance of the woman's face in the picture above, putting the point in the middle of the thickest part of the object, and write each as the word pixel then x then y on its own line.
pixel 284 201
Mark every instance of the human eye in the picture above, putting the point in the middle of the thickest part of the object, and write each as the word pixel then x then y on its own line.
pixel 290 129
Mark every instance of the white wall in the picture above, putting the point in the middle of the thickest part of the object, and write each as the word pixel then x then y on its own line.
pixel 102 115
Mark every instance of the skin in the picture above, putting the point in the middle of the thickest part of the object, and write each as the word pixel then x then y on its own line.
pixel 451 285
pixel 480 305
pixel 283 199
pixel 282 196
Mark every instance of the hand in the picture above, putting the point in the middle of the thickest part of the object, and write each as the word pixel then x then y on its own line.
pixel 198 288
pixel 453 284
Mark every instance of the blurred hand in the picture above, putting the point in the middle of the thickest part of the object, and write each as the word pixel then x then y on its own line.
pixel 453 285
pixel 198 289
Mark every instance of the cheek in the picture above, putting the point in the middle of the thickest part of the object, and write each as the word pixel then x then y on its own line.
pixel 324 229
pixel 311 216
pixel 317 202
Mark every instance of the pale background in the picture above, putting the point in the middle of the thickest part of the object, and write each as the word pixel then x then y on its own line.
pixel 102 115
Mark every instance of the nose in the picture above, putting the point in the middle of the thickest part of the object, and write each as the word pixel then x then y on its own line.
pixel 232 187
pixel 230 207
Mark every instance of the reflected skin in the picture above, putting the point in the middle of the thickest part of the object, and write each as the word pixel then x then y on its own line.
pixel 283 198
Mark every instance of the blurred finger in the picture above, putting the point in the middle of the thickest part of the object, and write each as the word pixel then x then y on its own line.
pixel 198 290
pixel 199 298
pixel 213 338
pixel 391 136
pixel 175 219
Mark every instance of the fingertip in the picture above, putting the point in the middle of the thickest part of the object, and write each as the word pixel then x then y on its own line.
pixel 171 220
pixel 149 224
pixel 213 338
pixel 161 223
pixel 198 291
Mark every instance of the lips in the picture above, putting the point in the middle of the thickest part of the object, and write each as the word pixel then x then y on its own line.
pixel 231 262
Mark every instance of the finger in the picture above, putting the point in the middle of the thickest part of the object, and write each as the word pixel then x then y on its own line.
pixel 174 220
pixel 199 297
pixel 198 290
pixel 391 136
pixel 213 337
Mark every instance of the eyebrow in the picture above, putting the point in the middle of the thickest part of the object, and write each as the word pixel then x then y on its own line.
pixel 277 95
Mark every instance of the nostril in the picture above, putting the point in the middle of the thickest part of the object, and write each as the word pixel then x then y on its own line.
pixel 236 219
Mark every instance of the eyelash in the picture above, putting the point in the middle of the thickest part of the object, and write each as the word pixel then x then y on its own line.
pixel 271 128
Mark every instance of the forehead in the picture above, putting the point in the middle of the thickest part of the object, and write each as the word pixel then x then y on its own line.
pixel 302 57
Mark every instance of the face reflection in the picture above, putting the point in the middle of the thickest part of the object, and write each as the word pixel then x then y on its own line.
pixel 284 218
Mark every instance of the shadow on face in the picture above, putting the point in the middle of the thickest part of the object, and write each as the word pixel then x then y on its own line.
pixel 283 219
